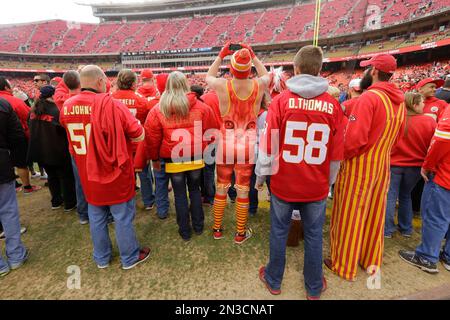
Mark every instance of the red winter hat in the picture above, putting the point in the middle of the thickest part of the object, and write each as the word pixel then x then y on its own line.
pixel 382 62
pixel 241 64
pixel 146 74
pixel 439 83
pixel 161 81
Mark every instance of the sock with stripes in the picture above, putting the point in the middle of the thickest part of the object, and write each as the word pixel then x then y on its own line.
pixel 220 203
pixel 242 206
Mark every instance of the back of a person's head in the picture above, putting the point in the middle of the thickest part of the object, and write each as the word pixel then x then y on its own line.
pixel 72 79
pixel 174 101
pixel 126 79
pixel 412 99
pixel 4 84
pixel 309 60
pixel 198 90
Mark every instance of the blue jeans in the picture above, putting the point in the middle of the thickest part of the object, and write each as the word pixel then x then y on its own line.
pixel 161 191
pixel 179 182
pixel 146 178
pixel 403 181
pixel 209 185
pixel 253 194
pixel 82 206
pixel 123 214
pixel 435 222
pixel 313 217
pixel 9 218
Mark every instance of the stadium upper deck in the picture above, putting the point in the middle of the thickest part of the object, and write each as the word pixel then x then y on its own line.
pixel 266 26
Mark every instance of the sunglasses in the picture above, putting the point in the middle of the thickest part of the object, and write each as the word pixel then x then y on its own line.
pixel 37 80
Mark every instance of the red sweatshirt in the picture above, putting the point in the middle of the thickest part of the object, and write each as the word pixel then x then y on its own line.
pixel 61 94
pixel 368 119
pixel 212 100
pixel 415 140
pixel 435 106
pixel 20 108
pixel 147 91
pixel 438 158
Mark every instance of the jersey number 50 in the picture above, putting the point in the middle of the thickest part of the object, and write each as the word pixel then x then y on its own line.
pixel 82 139
pixel 305 153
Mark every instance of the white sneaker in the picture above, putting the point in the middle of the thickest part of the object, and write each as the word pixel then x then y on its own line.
pixel 35 175
pixel 44 177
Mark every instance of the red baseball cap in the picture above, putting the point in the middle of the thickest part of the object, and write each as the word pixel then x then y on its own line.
pixel 439 83
pixel 161 81
pixel 146 74
pixel 382 62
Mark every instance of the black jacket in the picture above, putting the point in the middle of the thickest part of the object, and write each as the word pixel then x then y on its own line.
pixel 12 141
pixel 443 94
pixel 48 139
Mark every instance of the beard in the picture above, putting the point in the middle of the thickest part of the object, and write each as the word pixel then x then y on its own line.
pixel 366 81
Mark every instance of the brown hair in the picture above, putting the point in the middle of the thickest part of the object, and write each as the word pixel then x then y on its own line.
pixel 411 99
pixel 126 79
pixel 309 60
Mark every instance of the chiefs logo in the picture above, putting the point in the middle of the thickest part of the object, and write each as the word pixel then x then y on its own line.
pixel 434 109
pixel 352 118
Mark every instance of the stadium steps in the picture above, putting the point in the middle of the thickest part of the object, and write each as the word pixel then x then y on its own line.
pixel 27 44
pixel 106 40
pixel 131 37
pixel 199 36
pixel 175 39
pixel 61 41
pixel 252 31
pixel 347 16
pixel 86 40
pixel 226 32
pixel 282 25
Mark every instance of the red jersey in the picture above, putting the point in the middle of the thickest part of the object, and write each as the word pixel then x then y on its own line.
pixel 152 103
pixel 148 92
pixel 138 106
pixel 438 158
pixel 20 108
pixel 349 105
pixel 76 118
pixel 435 106
pixel 415 140
pixel 368 119
pixel 310 137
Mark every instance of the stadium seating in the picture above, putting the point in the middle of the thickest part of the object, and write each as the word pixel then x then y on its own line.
pixel 279 24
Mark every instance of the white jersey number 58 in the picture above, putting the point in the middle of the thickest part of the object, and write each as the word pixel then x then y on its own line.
pixel 305 152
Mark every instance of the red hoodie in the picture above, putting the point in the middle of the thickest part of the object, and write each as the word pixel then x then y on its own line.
pixel 368 119
pixel 20 108
pixel 159 130
pixel 147 91
pixel 415 140
pixel 61 94
pixel 435 106
pixel 438 158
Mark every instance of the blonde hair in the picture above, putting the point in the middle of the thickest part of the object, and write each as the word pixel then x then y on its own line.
pixel 411 99
pixel 174 101
pixel 333 91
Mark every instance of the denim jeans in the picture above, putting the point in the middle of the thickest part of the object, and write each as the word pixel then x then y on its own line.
pixel 435 222
pixel 208 183
pixel 82 206
pixel 313 217
pixel 9 218
pixel 191 179
pixel 123 214
pixel 146 178
pixel 253 194
pixel 161 191
pixel 403 181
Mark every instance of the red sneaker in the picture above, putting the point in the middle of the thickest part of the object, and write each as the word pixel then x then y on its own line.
pixel 31 190
pixel 241 238
pixel 262 277
pixel 218 234
pixel 324 288
pixel 144 254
